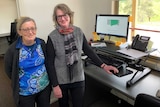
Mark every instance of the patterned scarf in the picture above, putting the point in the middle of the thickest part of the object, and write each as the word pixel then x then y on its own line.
pixel 71 52
pixel 66 30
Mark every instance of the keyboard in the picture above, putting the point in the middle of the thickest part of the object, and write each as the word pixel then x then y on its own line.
pixel 120 65
pixel 111 61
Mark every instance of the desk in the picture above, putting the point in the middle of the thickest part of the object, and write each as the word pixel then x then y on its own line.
pixel 4 43
pixel 4 34
pixel 148 84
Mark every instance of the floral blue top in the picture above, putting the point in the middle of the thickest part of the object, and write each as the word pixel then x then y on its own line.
pixel 33 76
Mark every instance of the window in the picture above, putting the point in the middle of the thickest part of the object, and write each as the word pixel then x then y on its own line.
pixel 145 19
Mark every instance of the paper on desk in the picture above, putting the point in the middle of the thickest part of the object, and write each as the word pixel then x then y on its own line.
pixel 133 53
pixel 98 44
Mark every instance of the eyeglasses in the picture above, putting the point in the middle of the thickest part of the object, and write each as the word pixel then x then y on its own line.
pixel 59 17
pixel 33 29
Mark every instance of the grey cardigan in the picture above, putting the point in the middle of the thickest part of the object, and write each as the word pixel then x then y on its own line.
pixel 56 57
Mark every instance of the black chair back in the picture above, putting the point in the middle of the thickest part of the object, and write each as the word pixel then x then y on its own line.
pixel 13 33
pixel 145 100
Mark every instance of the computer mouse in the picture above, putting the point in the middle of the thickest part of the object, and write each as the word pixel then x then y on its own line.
pixel 113 72
pixel 158 93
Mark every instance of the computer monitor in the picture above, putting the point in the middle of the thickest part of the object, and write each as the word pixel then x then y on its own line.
pixel 112 25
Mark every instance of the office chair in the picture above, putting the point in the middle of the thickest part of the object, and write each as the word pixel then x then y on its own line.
pixel 13 33
pixel 145 100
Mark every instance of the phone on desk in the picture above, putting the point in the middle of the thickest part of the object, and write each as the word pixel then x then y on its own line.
pixel 140 43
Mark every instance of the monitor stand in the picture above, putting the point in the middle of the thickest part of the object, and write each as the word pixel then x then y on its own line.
pixel 109 42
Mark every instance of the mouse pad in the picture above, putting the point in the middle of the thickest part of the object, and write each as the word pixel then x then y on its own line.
pixel 123 72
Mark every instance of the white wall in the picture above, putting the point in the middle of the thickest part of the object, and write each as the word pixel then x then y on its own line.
pixel 85 11
pixel 8 14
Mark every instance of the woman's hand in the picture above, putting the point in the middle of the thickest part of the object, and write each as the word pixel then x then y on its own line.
pixel 57 92
pixel 109 69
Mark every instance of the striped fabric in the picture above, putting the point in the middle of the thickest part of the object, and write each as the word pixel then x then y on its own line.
pixel 71 51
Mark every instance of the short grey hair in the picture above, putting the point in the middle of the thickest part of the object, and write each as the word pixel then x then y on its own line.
pixel 66 10
pixel 22 20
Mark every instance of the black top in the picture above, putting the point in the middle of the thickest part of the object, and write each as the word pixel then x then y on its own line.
pixel 86 49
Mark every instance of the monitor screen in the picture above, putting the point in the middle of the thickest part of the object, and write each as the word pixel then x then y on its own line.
pixel 112 25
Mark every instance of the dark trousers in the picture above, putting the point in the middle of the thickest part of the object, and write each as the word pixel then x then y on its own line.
pixel 76 91
pixel 42 99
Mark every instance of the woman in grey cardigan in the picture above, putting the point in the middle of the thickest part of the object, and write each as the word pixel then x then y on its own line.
pixel 64 47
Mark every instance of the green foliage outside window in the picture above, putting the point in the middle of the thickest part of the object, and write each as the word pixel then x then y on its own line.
pixel 147 10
